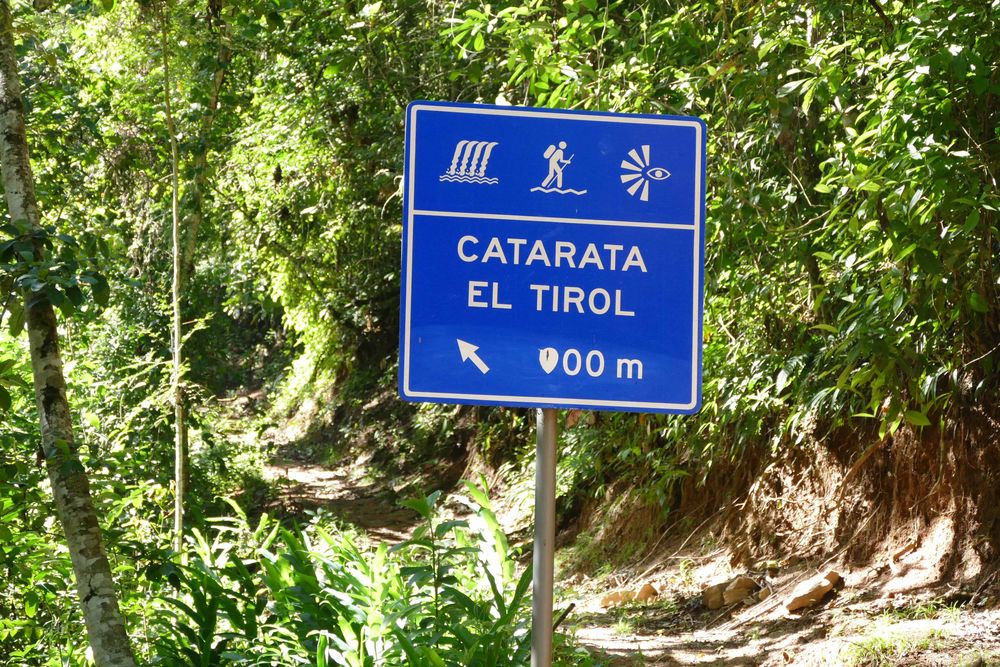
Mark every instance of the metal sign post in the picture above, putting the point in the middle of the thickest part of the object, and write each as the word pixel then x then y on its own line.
pixel 545 538
pixel 551 259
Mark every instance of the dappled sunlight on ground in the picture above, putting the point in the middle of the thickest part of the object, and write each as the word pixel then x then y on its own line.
pixel 344 492
pixel 864 623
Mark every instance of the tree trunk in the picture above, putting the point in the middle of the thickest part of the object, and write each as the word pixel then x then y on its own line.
pixel 70 487
pixel 181 455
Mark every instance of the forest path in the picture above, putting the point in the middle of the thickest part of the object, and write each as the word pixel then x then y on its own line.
pixel 346 491
pixel 304 479
pixel 858 626
pixel 310 476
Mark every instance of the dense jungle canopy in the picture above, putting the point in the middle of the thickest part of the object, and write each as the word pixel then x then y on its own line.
pixel 242 162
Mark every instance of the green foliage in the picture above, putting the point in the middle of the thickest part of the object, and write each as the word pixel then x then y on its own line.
pixel 852 254
pixel 852 214
pixel 33 568
pixel 884 648
pixel 269 595
pixel 40 263
pixel 10 381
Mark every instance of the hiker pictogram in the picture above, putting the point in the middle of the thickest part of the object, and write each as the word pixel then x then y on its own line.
pixel 558 162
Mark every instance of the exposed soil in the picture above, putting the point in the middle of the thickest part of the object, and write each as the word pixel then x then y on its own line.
pixel 867 622
pixel 888 614
pixel 351 488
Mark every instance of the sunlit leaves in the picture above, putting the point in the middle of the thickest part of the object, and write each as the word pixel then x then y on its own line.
pixel 42 263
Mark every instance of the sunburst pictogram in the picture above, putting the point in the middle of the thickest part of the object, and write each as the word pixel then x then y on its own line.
pixel 637 173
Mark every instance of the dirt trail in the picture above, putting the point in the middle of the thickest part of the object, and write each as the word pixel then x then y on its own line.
pixel 860 625
pixel 857 626
pixel 345 491
pixel 811 642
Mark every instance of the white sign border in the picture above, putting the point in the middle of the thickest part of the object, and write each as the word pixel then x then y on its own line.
pixel 413 110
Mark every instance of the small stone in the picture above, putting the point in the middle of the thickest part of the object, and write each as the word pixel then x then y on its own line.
pixel 617 598
pixel 711 596
pixel 764 593
pixel 738 588
pixel 612 599
pixel 646 593
pixel 812 591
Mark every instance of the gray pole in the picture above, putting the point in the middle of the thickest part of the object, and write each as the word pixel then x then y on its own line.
pixel 545 538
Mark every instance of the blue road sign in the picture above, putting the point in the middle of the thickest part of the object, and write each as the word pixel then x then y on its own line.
pixel 552 258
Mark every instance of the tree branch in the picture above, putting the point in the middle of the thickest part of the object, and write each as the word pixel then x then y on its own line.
pixel 889 26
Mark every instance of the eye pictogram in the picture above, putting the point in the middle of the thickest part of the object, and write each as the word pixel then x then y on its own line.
pixel 637 173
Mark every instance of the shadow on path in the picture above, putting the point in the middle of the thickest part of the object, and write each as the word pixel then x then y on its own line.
pixel 345 492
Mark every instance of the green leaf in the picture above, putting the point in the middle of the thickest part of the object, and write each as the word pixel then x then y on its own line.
pixel 275 21
pixel 418 505
pixel 432 657
pixel 5 399
pixel 971 222
pixel 905 252
pixel 321 645
pixel 478 494
pixel 445 527
pixel 929 262
pixel 101 290
pixel 15 323
pixel 75 295
pixel 56 297
pixel 30 603
pixel 917 418
pixel 781 382
pixel 978 302
pixel 791 87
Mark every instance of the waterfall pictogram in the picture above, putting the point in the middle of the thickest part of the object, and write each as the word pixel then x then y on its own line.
pixel 469 162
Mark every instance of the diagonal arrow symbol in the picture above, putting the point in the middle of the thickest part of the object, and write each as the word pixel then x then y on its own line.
pixel 468 352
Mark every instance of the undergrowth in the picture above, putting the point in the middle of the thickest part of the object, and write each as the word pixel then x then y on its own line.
pixel 248 592
pixel 269 595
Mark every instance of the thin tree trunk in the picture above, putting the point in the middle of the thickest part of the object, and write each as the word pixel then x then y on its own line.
pixel 180 408
pixel 70 487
